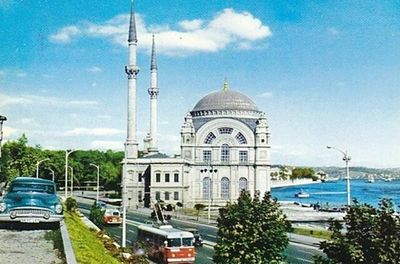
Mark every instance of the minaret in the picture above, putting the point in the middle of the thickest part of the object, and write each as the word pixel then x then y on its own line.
pixel 153 92
pixel 131 145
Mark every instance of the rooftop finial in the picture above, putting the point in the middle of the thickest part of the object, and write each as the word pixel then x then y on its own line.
pixel 226 85
pixel 132 26
pixel 153 56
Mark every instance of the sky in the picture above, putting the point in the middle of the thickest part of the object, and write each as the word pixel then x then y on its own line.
pixel 324 72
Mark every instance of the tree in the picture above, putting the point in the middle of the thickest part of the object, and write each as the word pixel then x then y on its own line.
pixel 300 173
pixel 283 173
pixel 251 231
pixel 199 208
pixel 372 236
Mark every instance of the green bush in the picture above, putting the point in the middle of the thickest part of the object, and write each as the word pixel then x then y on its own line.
pixel 71 204
pixel 96 215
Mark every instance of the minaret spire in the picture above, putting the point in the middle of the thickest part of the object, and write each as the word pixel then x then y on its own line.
pixel 153 56
pixel 132 26
pixel 153 92
pixel 132 70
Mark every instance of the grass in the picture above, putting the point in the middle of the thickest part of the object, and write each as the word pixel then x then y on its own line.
pixel 88 248
pixel 323 234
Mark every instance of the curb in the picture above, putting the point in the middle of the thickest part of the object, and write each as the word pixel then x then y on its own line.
pixel 68 251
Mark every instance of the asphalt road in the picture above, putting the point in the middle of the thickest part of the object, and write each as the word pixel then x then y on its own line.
pixel 296 252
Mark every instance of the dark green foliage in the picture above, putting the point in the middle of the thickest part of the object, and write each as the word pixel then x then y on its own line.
pixel 301 173
pixel 372 236
pixel 71 204
pixel 96 215
pixel 199 208
pixel 19 159
pixel 251 231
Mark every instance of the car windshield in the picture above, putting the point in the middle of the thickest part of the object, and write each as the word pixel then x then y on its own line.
pixel 32 187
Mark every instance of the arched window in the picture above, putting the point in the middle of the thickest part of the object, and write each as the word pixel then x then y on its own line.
pixel 240 138
pixel 242 184
pixel 206 188
pixel 225 188
pixel 210 137
pixel 225 130
pixel 225 153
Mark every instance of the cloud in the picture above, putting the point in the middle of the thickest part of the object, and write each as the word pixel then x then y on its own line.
pixel 93 132
pixel 226 28
pixel 333 31
pixel 104 144
pixel 191 24
pixel 21 74
pixel 25 100
pixel 65 35
pixel 48 76
pixel 28 122
pixel 9 131
pixel 94 69
pixel 266 95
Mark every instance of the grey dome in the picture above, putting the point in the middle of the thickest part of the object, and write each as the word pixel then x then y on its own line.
pixel 225 99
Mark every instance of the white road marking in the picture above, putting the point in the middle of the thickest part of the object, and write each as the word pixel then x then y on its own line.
pixel 305 260
pixel 305 252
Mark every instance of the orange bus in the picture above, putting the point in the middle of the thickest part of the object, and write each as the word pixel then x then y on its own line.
pixel 167 244
pixel 112 216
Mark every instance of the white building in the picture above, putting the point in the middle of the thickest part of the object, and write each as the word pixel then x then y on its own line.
pixel 224 147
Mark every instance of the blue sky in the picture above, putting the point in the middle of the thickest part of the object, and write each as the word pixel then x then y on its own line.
pixel 324 72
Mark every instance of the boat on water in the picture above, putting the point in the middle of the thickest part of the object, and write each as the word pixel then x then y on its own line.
pixel 302 194
pixel 370 179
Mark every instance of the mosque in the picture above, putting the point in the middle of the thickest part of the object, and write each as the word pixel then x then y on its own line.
pixel 225 147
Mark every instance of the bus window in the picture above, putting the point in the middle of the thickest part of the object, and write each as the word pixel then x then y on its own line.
pixel 187 241
pixel 174 242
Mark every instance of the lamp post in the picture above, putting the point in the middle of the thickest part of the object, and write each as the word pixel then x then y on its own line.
pixel 2 119
pixel 66 170
pixel 210 188
pixel 52 174
pixel 72 180
pixel 346 158
pixel 37 166
pixel 98 179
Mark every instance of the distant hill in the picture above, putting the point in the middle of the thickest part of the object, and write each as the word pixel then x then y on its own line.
pixel 355 172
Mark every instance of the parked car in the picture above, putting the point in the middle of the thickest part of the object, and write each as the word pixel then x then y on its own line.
pixel 31 200
pixel 198 240
pixel 112 216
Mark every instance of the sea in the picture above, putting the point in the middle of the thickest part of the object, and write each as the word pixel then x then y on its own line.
pixel 333 194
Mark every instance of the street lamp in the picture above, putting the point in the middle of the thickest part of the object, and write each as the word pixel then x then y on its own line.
pixel 346 158
pixel 98 176
pixel 210 189
pixel 66 170
pixel 139 179
pixel 52 174
pixel 2 119
pixel 72 180
pixel 37 166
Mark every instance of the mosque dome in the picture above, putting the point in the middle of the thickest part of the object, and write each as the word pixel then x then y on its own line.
pixel 224 101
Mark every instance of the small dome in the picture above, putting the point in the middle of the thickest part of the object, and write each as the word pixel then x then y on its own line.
pixel 225 99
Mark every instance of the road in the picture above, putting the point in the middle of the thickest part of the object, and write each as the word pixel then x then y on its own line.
pixel 296 252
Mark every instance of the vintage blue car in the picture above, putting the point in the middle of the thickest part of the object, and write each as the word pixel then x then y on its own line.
pixel 31 200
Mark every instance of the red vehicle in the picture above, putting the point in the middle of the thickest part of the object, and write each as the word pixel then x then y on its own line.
pixel 112 216
pixel 168 244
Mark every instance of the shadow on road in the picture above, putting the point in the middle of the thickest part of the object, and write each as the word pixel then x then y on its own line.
pixel 26 226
